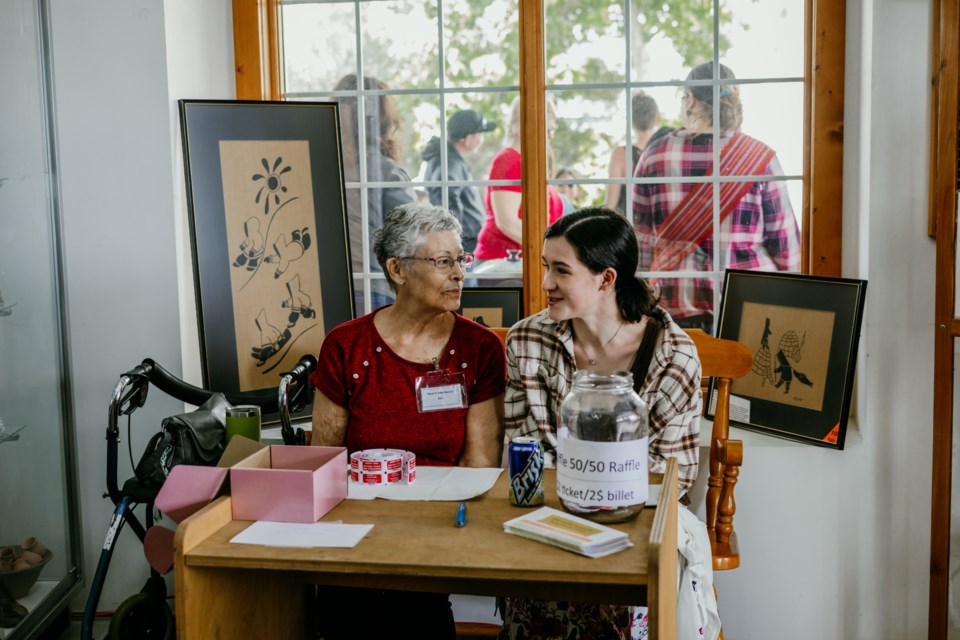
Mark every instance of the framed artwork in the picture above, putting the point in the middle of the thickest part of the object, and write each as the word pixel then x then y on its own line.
pixel 803 332
pixel 266 203
pixel 492 307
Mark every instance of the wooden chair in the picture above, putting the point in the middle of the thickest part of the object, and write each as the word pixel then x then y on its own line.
pixel 725 361
pixel 501 333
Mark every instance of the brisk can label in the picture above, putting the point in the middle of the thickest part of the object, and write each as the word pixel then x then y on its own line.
pixel 526 472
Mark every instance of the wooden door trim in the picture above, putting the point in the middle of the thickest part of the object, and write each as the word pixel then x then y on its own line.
pixel 943 199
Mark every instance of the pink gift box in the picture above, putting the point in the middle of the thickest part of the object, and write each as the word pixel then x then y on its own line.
pixel 190 488
pixel 289 484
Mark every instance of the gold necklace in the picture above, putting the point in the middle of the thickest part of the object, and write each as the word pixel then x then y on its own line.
pixel 603 348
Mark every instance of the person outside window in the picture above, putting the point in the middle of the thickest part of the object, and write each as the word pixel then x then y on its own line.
pixel 569 193
pixel 465 131
pixel 674 220
pixel 371 375
pixel 501 233
pixel 599 317
pixel 381 154
pixel 646 129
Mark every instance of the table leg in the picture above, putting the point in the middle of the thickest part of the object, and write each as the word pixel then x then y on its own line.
pixel 241 604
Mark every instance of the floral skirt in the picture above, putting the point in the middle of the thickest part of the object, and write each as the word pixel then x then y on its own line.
pixel 550 620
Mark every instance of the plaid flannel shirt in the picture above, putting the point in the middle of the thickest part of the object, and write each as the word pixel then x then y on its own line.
pixel 540 371
pixel 760 233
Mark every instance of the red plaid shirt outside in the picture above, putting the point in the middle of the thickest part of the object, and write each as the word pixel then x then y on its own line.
pixel 761 232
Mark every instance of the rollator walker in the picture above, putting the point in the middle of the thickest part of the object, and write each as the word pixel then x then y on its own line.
pixel 147 614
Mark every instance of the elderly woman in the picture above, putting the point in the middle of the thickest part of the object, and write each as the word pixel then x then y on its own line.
pixel 372 376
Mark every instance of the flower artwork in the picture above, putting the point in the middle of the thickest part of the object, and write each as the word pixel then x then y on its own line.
pixel 266 200
pixel 274 271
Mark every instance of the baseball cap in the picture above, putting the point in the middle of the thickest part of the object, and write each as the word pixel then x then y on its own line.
pixel 462 123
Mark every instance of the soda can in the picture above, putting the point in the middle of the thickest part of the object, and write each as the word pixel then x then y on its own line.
pixel 526 472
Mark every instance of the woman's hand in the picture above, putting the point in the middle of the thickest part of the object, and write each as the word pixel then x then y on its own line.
pixel 483 445
pixel 329 422
pixel 506 213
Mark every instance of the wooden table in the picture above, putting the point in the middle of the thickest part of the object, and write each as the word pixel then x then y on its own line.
pixel 226 590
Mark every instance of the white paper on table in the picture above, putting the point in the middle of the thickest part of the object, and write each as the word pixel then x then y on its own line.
pixel 296 534
pixel 433 483
pixel 357 491
pixel 445 483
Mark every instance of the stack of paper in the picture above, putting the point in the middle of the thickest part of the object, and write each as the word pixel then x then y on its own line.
pixel 302 534
pixel 568 532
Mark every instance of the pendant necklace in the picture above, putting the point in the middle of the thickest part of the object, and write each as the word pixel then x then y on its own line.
pixel 603 347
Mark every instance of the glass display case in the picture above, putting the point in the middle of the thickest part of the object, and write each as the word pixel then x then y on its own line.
pixel 39 541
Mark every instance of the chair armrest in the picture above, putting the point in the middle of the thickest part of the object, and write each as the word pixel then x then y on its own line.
pixel 732 456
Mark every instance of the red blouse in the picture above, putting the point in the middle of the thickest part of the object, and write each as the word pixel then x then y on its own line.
pixel 359 372
pixel 492 243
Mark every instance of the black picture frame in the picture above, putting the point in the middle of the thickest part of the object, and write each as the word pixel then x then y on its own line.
pixel 803 332
pixel 267 215
pixel 488 306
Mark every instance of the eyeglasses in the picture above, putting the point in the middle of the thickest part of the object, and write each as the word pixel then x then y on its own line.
pixel 444 264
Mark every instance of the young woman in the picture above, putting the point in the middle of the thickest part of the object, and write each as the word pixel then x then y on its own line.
pixel 600 317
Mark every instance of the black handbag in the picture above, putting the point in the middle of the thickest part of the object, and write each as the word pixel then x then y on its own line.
pixel 198 437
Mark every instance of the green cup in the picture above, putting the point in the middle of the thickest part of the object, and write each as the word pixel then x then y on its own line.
pixel 244 420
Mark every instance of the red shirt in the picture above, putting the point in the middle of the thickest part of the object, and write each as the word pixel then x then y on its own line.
pixel 359 372
pixel 493 243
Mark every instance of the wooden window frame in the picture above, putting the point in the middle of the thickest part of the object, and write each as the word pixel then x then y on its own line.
pixel 257 58
pixel 944 187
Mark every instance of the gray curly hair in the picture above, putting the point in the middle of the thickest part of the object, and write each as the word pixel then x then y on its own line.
pixel 405 231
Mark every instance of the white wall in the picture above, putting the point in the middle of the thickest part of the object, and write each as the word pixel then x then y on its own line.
pixel 836 544
pixel 119 66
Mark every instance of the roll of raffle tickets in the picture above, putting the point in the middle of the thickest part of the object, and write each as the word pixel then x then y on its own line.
pixel 382 466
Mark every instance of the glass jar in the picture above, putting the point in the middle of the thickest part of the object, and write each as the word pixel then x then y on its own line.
pixel 602 448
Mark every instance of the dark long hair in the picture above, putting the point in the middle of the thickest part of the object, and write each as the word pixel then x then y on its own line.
pixel 604 239
pixel 383 119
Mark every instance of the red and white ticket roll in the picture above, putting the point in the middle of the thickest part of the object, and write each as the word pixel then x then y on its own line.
pixel 382 466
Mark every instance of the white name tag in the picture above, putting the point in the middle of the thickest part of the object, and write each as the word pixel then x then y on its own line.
pixel 446 397
pixel 440 391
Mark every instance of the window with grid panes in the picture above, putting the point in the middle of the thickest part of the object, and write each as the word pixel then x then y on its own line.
pixel 421 61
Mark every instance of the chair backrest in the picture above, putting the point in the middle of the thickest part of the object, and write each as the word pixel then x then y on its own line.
pixel 724 361
pixel 501 333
